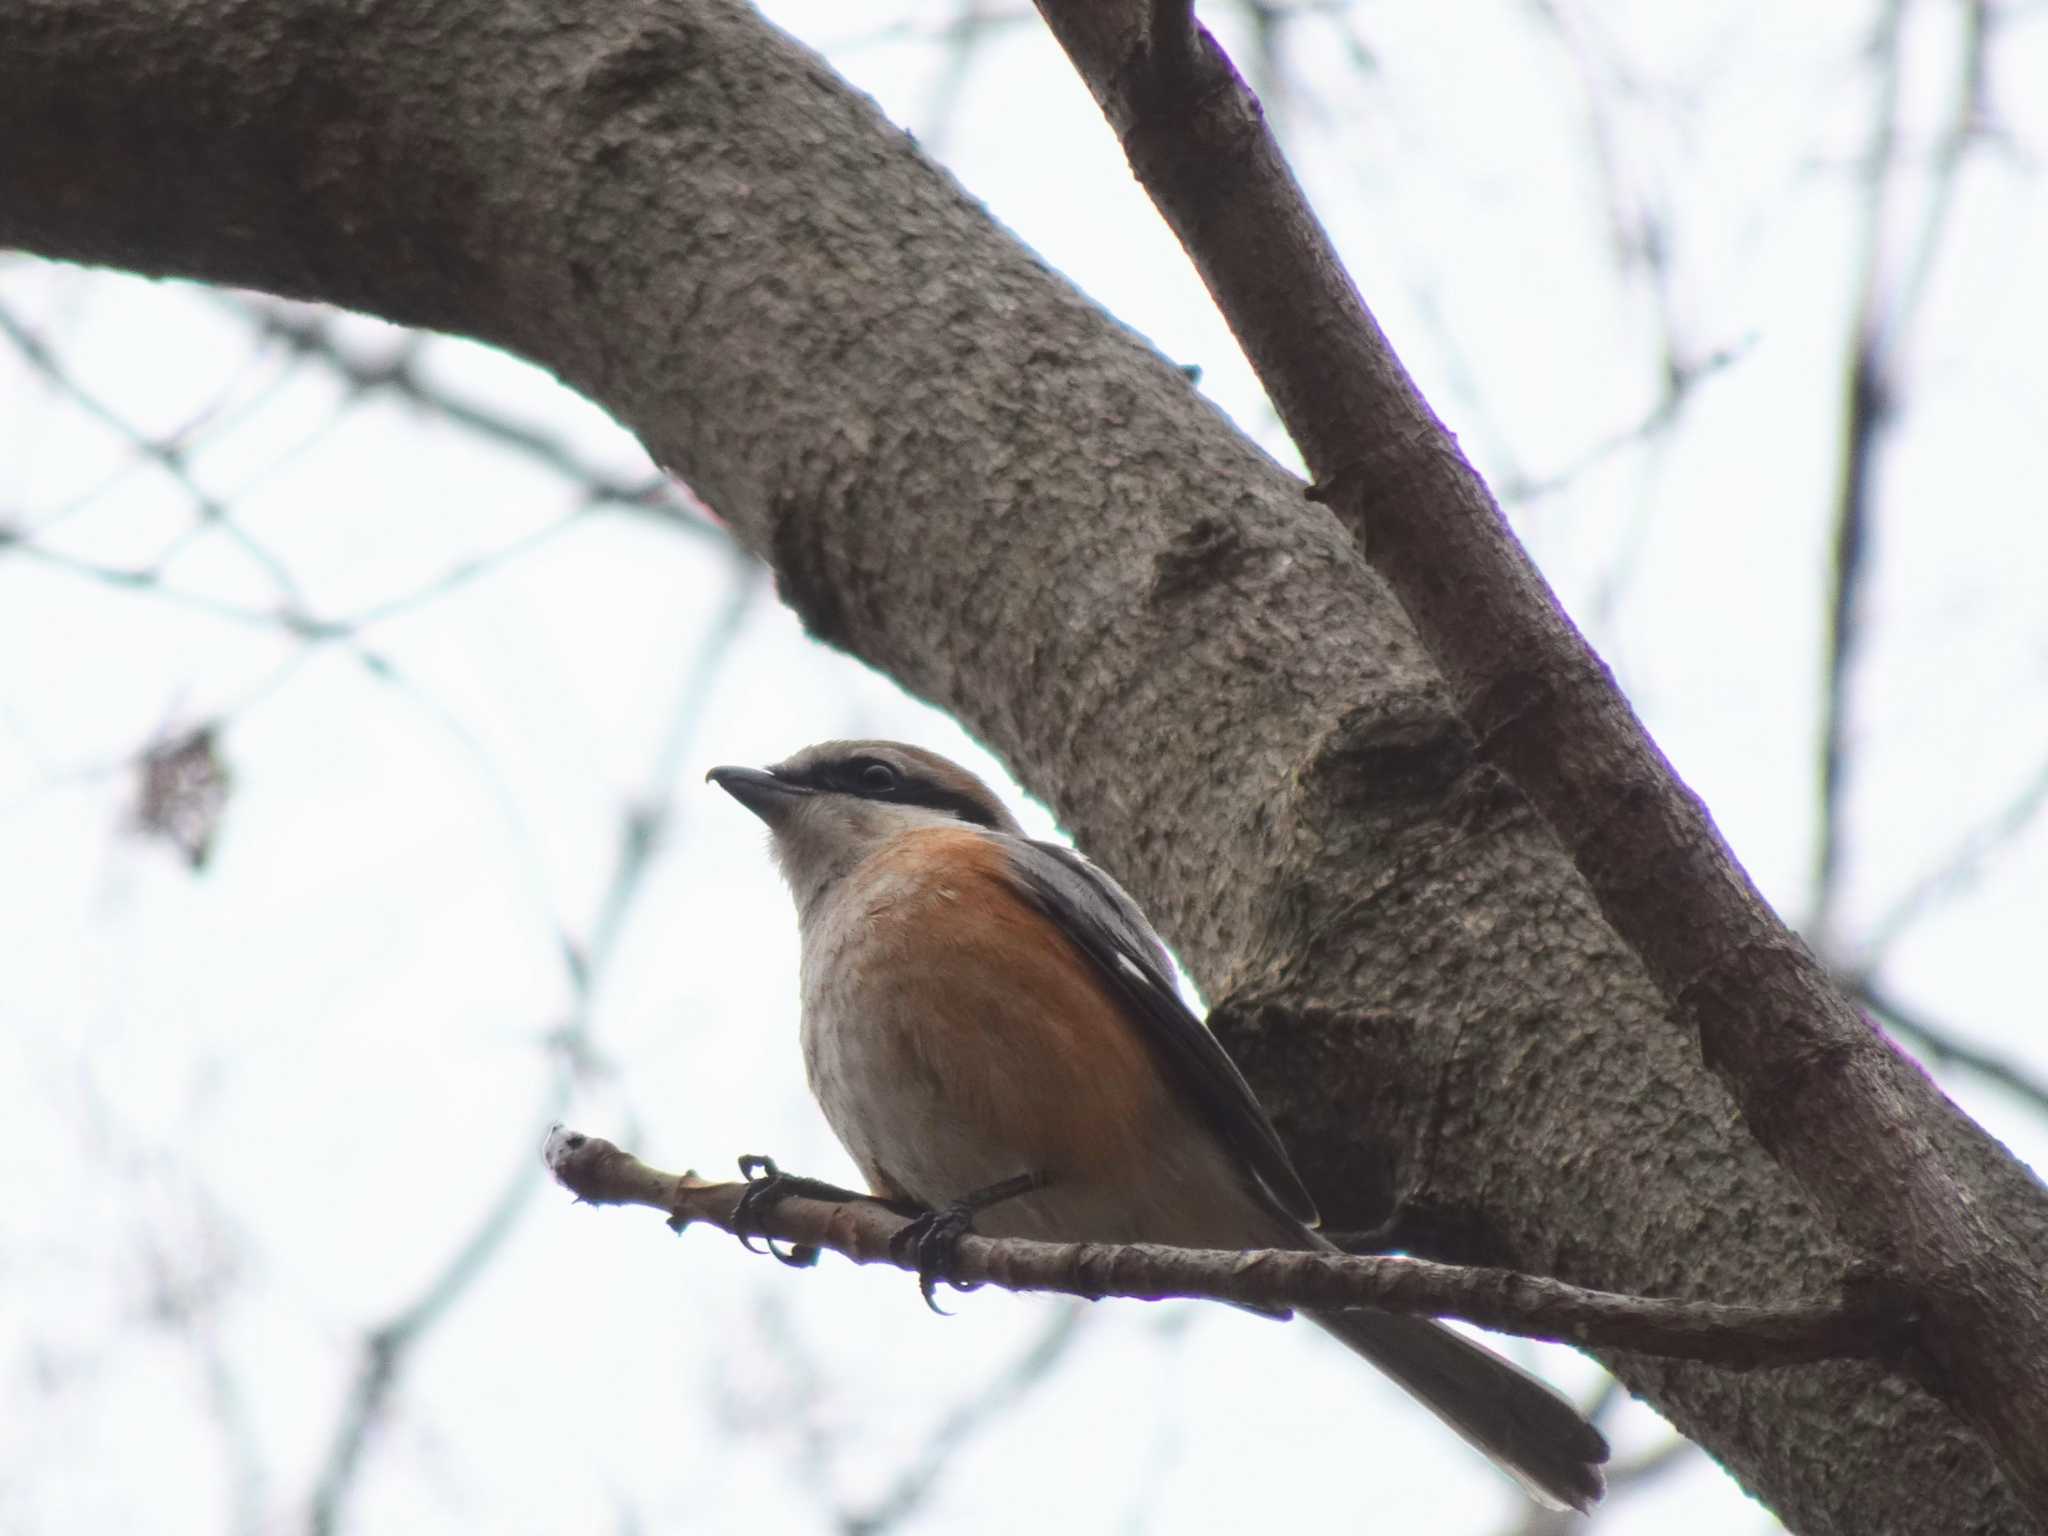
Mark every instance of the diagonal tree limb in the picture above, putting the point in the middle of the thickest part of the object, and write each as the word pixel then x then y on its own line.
pixel 1895 1166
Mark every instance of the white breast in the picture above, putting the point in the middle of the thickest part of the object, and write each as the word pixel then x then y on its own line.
pixel 868 1043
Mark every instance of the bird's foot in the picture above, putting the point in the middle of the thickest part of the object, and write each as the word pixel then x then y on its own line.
pixel 932 1240
pixel 767 1187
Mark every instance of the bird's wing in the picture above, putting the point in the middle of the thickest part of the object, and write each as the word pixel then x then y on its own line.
pixel 1092 910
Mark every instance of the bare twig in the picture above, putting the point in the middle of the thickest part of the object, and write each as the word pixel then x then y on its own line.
pixel 1681 380
pixel 1996 834
pixel 293 619
pixel 1867 408
pixel 387 1348
pixel 307 332
pixel 170 455
pixel 1730 1336
pixel 1940 1045
pixel 1029 1371
pixel 1890 289
pixel 1641 226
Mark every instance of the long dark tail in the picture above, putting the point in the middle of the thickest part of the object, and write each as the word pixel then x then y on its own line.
pixel 1531 1433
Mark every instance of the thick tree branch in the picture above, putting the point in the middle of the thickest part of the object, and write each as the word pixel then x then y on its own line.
pixel 1731 1337
pixel 1897 1168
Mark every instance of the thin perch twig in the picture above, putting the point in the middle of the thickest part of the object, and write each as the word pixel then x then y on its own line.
pixel 1854 1326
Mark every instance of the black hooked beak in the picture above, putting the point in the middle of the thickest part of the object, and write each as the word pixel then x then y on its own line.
pixel 758 790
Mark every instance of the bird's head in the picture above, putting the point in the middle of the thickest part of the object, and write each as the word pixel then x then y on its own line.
pixel 832 805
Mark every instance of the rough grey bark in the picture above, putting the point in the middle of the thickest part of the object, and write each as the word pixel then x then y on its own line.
pixel 967 475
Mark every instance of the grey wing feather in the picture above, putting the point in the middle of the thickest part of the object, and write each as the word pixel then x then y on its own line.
pixel 1093 911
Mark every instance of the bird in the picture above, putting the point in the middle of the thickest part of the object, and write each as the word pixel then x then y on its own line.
pixel 986 1015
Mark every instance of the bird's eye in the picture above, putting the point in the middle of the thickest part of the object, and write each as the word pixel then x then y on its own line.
pixel 877 778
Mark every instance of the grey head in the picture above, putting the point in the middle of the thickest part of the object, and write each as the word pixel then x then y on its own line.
pixel 831 805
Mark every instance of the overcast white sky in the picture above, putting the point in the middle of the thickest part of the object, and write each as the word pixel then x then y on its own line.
pixel 258 1110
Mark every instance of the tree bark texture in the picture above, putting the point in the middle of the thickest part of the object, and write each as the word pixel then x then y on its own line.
pixel 969 476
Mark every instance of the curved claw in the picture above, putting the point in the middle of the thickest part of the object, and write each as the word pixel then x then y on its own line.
pixel 933 1237
pixel 767 1187
pixel 932 1240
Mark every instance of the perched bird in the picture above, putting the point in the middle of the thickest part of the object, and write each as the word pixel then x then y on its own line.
pixel 982 1011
